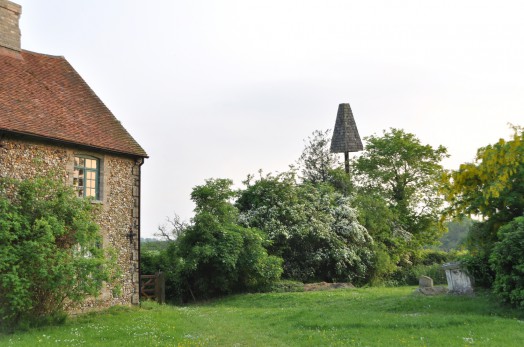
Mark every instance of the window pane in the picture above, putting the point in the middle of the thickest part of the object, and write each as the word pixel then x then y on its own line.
pixel 85 176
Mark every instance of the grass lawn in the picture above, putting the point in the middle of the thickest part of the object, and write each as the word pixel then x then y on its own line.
pixel 344 317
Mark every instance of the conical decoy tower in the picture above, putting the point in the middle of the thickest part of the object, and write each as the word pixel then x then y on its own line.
pixel 345 136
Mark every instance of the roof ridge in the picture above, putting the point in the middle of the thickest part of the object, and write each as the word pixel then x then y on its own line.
pixel 43 54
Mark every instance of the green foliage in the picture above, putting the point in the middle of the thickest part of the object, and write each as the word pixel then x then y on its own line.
pixel 49 250
pixel 492 186
pixel 405 173
pixel 409 275
pixel 423 263
pixel 457 234
pixel 312 227
pixel 216 256
pixel 481 238
pixel 150 261
pixel 396 180
pixel 391 247
pixel 384 265
pixel 507 260
pixel 317 162
pixel 147 245
pixel 431 257
pixel 478 267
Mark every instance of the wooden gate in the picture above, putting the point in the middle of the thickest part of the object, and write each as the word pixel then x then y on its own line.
pixel 153 287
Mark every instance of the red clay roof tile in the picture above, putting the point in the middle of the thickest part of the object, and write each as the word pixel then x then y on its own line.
pixel 43 96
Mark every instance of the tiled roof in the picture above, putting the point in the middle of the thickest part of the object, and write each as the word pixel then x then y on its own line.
pixel 43 96
pixel 345 135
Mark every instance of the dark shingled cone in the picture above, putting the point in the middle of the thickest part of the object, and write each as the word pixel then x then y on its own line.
pixel 345 136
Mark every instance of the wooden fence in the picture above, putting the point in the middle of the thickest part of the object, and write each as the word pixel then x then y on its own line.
pixel 153 287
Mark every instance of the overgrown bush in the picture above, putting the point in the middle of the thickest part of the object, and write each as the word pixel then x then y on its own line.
pixel 423 263
pixel 312 227
pixel 50 253
pixel 150 261
pixel 507 260
pixel 431 257
pixel 479 268
pixel 409 275
pixel 479 242
pixel 216 256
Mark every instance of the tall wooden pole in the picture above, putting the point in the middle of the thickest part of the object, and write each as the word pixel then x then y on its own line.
pixel 346 162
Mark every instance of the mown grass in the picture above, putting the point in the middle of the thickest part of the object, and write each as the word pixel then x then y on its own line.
pixel 345 317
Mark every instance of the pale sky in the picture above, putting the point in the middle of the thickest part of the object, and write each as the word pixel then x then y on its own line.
pixel 221 89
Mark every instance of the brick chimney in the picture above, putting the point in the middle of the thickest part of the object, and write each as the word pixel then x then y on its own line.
pixel 9 28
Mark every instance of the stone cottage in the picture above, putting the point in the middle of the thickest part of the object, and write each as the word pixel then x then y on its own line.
pixel 51 121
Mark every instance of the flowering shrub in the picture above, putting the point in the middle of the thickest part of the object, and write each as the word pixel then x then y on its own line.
pixel 312 227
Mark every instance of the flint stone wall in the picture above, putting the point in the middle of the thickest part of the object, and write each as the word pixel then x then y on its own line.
pixel 119 187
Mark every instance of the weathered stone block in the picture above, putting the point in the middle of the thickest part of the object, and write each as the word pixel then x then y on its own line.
pixel 425 282
pixel 459 281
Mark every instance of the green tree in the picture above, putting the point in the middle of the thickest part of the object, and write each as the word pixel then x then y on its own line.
pixel 216 256
pixel 49 250
pixel 312 227
pixel 398 168
pixel 316 160
pixel 493 185
pixel 391 246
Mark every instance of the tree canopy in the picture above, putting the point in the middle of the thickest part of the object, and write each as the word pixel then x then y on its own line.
pixel 493 185
pixel 398 168
pixel 316 160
